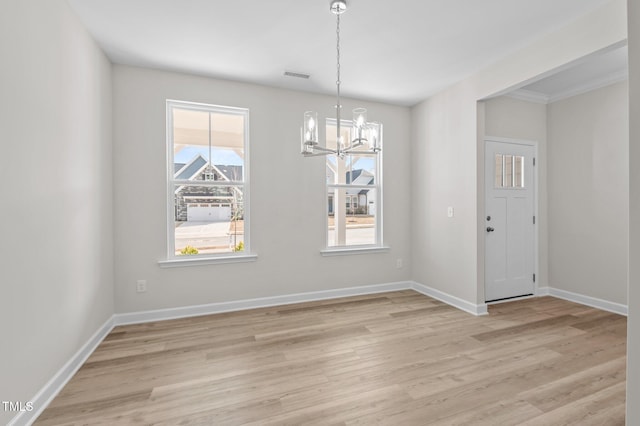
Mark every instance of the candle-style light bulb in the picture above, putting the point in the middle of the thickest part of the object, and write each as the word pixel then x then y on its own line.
pixel 375 134
pixel 310 127
pixel 360 117
pixel 359 124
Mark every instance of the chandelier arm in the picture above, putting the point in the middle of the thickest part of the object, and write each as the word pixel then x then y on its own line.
pixel 316 154
pixel 360 153
pixel 325 150
pixel 353 150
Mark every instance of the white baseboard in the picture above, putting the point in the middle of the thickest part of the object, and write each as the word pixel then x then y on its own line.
pixel 62 377
pixel 450 300
pixel 42 399
pixel 263 302
pixel 543 291
pixel 49 391
pixel 594 302
pixel 605 305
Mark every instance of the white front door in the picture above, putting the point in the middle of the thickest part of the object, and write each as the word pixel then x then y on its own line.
pixel 509 220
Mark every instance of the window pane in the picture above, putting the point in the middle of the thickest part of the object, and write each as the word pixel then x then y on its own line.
pixel 360 169
pixel 352 170
pixel 507 180
pixel 351 218
pixel 509 171
pixel 208 219
pixel 518 172
pixel 352 211
pixel 207 145
pixel 499 173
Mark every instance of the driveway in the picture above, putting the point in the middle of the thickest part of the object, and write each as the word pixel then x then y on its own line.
pixel 207 237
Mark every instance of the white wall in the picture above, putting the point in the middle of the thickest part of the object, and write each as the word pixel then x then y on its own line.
pixel 589 193
pixel 56 256
pixel 57 250
pixel 443 166
pixel 287 196
pixel 633 329
pixel 447 253
pixel 583 141
pixel 511 118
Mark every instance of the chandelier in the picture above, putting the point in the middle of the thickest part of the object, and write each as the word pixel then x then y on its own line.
pixel 365 136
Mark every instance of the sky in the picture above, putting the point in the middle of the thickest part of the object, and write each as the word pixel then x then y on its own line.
pixel 359 162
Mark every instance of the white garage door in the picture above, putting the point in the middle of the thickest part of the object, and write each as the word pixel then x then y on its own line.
pixel 207 213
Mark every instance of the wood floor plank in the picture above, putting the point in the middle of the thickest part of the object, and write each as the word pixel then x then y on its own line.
pixel 528 327
pixel 397 358
pixel 568 389
pixel 509 412
pixel 600 408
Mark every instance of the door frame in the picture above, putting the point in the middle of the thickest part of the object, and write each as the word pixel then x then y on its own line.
pixel 483 213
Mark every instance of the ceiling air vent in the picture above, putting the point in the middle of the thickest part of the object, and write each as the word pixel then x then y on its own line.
pixel 296 74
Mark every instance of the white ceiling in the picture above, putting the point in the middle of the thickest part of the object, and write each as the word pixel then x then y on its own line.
pixel 398 51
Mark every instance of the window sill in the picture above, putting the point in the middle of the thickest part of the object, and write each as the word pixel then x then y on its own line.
pixel 346 251
pixel 178 263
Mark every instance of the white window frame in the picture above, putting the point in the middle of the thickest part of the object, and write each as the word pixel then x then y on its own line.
pixel 378 245
pixel 172 260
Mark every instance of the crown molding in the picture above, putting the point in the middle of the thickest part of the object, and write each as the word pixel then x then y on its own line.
pixel 541 98
pixel 529 96
pixel 598 83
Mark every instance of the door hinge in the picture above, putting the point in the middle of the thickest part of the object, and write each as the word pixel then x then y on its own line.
pixel 534 278
pixel 534 220
pixel 534 161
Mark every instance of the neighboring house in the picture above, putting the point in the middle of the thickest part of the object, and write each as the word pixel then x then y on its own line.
pixel 195 203
pixel 358 200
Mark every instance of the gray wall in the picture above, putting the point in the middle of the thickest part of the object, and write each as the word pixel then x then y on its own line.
pixel 633 331
pixel 589 193
pixel 583 210
pixel 57 252
pixel 56 255
pixel 448 254
pixel 287 196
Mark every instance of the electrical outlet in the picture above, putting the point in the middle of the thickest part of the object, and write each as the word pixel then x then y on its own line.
pixel 141 286
pixel 398 263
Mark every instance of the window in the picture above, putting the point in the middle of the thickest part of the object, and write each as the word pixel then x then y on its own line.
pixel 207 180
pixel 509 171
pixel 354 194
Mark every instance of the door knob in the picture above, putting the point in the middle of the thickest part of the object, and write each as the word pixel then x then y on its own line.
pixel 490 229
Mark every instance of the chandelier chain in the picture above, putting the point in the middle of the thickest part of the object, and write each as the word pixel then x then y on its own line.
pixel 338 106
pixel 338 52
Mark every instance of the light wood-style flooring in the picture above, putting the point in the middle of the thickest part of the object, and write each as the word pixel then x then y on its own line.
pixel 397 358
